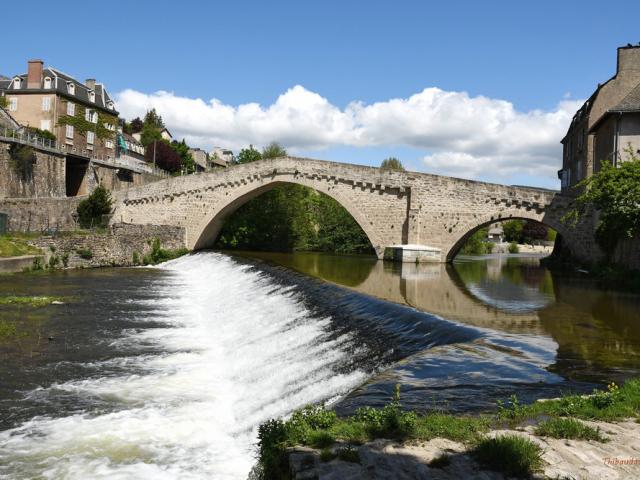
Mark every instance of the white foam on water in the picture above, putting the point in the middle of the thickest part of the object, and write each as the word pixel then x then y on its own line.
pixel 239 350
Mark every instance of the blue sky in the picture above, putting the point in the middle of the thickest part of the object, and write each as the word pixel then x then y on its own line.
pixel 325 74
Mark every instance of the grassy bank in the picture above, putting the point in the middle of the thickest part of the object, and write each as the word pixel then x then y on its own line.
pixel 16 245
pixel 29 301
pixel 316 427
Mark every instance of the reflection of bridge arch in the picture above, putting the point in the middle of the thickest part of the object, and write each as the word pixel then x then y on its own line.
pixel 438 289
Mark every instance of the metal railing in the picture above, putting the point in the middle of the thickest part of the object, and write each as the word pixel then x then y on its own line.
pixel 128 162
pixel 26 137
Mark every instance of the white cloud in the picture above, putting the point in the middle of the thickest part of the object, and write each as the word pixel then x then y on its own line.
pixel 460 135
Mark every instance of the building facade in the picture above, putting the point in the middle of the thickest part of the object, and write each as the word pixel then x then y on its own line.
pixel 606 125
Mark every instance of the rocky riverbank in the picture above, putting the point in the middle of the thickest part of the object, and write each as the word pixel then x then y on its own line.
pixel 616 458
pixel 119 245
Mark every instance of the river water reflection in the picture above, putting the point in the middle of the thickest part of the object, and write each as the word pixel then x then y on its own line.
pixel 595 333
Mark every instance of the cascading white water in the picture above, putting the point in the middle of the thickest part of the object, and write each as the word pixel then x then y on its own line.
pixel 240 350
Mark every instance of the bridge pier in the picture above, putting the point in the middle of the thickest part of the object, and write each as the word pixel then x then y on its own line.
pixel 413 253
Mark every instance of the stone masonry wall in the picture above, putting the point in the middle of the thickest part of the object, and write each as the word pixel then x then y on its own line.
pixel 391 207
pixel 47 179
pixel 114 248
pixel 40 214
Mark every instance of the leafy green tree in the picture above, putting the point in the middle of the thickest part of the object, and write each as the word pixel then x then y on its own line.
pixel 4 103
pixel 152 118
pixel 136 125
pixel 392 163
pixel 186 159
pixel 91 209
pixel 248 155
pixel 150 134
pixel 615 193
pixel 273 150
pixel 513 230
pixel 477 243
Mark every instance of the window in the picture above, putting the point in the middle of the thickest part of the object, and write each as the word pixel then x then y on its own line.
pixel 46 104
pixel 69 131
pixel 17 83
pixel 71 88
pixel 92 96
pixel 45 125
pixel 91 138
pixel 91 116
pixel 108 144
pixel 71 108
pixel 110 105
pixel 13 104
pixel 47 82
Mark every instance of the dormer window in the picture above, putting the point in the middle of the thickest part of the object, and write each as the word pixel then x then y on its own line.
pixel 92 96
pixel 71 88
pixel 110 105
pixel 47 82
pixel 17 83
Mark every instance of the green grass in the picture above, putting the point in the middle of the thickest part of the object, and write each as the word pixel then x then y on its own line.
pixel 512 455
pixel 320 428
pixel 614 403
pixel 15 246
pixel 28 300
pixel 568 428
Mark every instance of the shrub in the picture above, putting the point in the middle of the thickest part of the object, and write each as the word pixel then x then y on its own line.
pixel 22 158
pixel 85 253
pixel 65 259
pixel 326 455
pixel 136 258
pixel 513 455
pixel 513 247
pixel 272 437
pixel 348 454
pixel 159 254
pixel 568 428
pixel 54 261
pixel 92 209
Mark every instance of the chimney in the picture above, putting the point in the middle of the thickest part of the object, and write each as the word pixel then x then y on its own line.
pixel 34 74
pixel 90 83
pixel 629 59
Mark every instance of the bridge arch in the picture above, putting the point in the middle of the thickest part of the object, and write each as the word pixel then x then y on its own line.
pixel 207 232
pixel 468 229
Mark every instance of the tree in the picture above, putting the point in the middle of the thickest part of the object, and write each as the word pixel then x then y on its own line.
pixel 273 150
pixel 4 103
pixel 91 209
pixel 513 230
pixel 393 164
pixel 165 156
pixel 152 118
pixel 136 125
pixel 533 231
pixel 248 155
pixel 186 159
pixel 615 192
pixel 149 135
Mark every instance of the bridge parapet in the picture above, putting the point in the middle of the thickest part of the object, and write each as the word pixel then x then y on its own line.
pixel 393 208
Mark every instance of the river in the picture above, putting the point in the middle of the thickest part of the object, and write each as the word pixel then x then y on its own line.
pixel 166 372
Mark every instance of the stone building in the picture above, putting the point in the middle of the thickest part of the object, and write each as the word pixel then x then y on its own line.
pixel 220 157
pixel 83 120
pixel 603 128
pixel 201 159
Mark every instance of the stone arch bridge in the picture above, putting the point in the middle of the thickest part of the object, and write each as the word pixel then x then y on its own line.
pixel 415 212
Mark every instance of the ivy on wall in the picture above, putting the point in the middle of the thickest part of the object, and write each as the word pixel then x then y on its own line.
pixel 82 125
pixel 22 158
